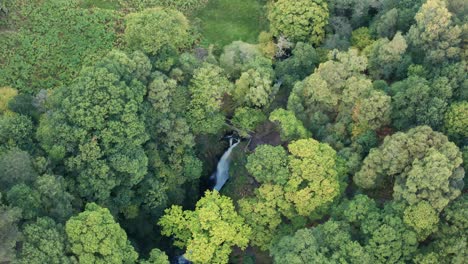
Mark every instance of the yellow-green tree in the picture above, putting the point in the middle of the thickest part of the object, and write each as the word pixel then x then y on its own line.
pixel 95 237
pixel 299 20
pixel 208 232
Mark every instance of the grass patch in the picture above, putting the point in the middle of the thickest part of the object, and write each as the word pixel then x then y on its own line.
pixel 224 21
pixel 104 4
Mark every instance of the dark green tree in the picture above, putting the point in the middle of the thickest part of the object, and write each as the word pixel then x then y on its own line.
pixel 96 129
pixel 9 233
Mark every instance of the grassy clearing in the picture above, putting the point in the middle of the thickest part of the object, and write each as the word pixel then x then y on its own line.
pixel 224 21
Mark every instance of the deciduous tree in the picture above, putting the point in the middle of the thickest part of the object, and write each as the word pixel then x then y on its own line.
pixel 301 20
pixel 209 232
pixel 95 237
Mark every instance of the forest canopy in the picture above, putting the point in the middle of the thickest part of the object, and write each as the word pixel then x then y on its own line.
pixel 220 131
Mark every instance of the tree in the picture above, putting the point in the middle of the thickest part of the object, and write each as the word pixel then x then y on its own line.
pixel 156 257
pixel 383 232
pixel 247 119
pixel 386 56
pixel 290 127
pixel 449 244
pixel 6 94
pixel 17 167
pixel 15 131
pixel 254 89
pixel 302 63
pixel 302 20
pixel 174 160
pixel 268 164
pixel 95 128
pixel 207 89
pixel 361 38
pixel 44 241
pixel 95 237
pixel 422 218
pixel 434 33
pixel 313 183
pixel 9 233
pixel 389 240
pixel 155 29
pixel 417 101
pixel 263 213
pixel 425 166
pixel 327 243
pixel 239 57
pixel 456 120
pixel 55 200
pixel 209 232
pixel 338 103
pixel 27 199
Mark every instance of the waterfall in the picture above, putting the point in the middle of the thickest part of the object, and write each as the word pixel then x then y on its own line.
pixel 222 170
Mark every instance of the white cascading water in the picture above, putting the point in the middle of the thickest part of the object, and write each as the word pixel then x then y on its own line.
pixel 222 170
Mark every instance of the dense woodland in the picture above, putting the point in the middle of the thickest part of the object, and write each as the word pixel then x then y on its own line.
pixel 352 116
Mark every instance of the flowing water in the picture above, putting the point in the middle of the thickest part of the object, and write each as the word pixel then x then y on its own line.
pixel 222 170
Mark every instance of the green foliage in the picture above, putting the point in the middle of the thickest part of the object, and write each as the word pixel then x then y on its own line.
pixel 54 39
pixel 247 119
pixel 27 199
pixel 6 94
pixel 303 61
pixel 207 89
pixel 312 185
pixel 172 160
pixel 456 120
pixel 386 56
pixel 325 243
pixel 15 131
pixel 422 218
pixel 96 129
pixel 263 213
pixel 44 241
pixel 155 29
pixel 449 244
pixel 361 38
pixel 95 237
pixel 417 101
pixel 239 57
pixel 434 34
pixel 268 164
pixel 290 127
pixel 301 20
pixel 9 233
pixel 338 103
pixel 185 6
pixel 156 257
pixel 55 200
pixel 17 167
pixel 426 167
pixel 395 16
pixel 210 231
pixel 254 89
